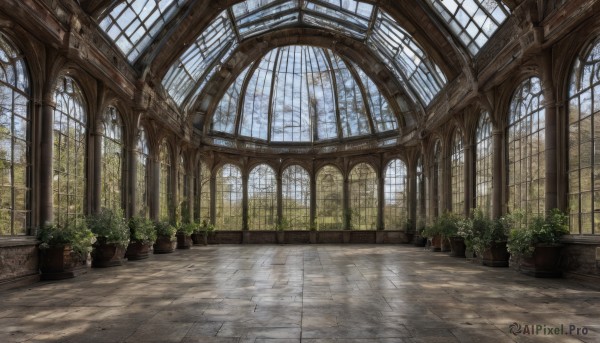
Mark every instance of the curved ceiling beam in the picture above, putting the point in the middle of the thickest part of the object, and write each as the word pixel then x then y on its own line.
pixel 417 19
pixel 255 48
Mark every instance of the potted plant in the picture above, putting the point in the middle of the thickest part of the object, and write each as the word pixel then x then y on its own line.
pixel 536 247
pixel 409 231
pixel 487 237
pixel 434 236
pixel 184 235
pixel 64 249
pixel 112 237
pixel 207 231
pixel 448 224
pixel 420 240
pixel 165 237
pixel 142 236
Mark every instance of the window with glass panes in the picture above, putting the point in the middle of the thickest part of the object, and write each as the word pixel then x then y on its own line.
pixel 295 184
pixel 584 143
pixel 363 197
pixel 262 198
pixel 421 208
pixel 457 164
pixel 436 182
pixel 483 164
pixel 204 184
pixel 69 151
pixel 330 195
pixel 164 187
pixel 112 160
pixel 229 198
pixel 182 191
pixel 396 195
pixel 15 141
pixel 526 149
pixel 142 159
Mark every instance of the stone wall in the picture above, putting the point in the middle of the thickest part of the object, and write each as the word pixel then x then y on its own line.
pixel 581 260
pixel 18 262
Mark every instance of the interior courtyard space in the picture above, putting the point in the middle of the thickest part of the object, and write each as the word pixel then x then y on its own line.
pixel 299 293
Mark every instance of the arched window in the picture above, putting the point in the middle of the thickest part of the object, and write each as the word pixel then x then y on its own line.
pixel 436 182
pixel 262 198
pixel 69 155
pixel 296 197
pixel 229 198
pixel 204 190
pixel 584 142
pixel 112 159
pixel 181 191
pixel 15 138
pixel 458 173
pixel 396 195
pixel 164 188
pixel 330 195
pixel 526 161
pixel 363 197
pixel 141 191
pixel 483 164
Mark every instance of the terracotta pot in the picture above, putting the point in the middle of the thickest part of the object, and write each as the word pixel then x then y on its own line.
pixel 164 245
pixel 436 243
pixel 496 255
pixel 107 254
pixel 138 251
pixel 184 241
pixel 544 262
pixel 457 246
pixel 60 262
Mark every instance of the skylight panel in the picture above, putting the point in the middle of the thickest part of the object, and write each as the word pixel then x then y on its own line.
pixel 226 111
pixel 473 21
pixel 134 24
pixel 195 67
pixel 256 16
pixel 348 16
pixel 383 116
pixel 406 59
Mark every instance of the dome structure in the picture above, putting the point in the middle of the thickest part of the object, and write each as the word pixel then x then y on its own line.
pixel 303 94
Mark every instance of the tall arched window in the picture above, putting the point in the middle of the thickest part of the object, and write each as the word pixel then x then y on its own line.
pixel 15 138
pixel 141 191
pixel 421 194
pixel 184 210
pixel 330 195
pixel 526 161
pixel 436 182
pixel 69 155
pixel 262 198
pixel 396 195
pixel 363 197
pixel 458 173
pixel 112 159
pixel 296 197
pixel 584 142
pixel 204 184
pixel 164 187
pixel 483 164
pixel 229 198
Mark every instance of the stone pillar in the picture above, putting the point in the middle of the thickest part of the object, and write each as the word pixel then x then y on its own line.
pixel 313 198
pixel 213 198
pixel 346 202
pixel 551 130
pixel 412 194
pixel 189 190
pixel 279 199
pixel 46 161
pixel 380 200
pixel 497 173
pixel 95 170
pixel 132 207
pixel 153 187
pixel 245 223
pixel 469 181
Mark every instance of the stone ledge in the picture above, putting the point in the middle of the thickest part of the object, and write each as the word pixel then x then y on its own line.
pixel 581 239
pixel 15 241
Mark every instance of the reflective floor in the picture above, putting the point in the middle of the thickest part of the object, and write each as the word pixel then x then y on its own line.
pixel 301 294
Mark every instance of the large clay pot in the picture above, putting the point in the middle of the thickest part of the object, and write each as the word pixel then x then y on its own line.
pixel 184 241
pixel 457 246
pixel 436 243
pixel 496 255
pixel 164 245
pixel 107 254
pixel 543 263
pixel 137 251
pixel 61 262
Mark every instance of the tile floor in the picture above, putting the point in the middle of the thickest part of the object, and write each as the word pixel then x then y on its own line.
pixel 305 293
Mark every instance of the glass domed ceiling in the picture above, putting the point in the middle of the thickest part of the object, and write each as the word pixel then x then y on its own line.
pixel 303 94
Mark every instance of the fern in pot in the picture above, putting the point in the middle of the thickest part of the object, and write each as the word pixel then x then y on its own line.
pixel 112 237
pixel 165 237
pixel 142 236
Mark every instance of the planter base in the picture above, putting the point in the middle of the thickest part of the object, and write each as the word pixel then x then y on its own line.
pixel 544 263
pixel 496 255
pixel 184 241
pixel 67 274
pixel 108 255
pixel 164 245
pixel 137 251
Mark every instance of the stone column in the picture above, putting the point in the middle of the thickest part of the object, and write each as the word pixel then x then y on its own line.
pixel 46 161
pixel 551 130
pixel 245 222
pixel 412 194
pixel 380 200
pixel 313 198
pixel 213 200
pixel 346 202
pixel 95 170
pixel 279 199
pixel 189 190
pixel 132 207
pixel 153 187
pixel 497 173
pixel 469 180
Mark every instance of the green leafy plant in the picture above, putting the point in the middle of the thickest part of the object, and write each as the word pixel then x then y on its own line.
pixel 164 228
pixel 207 228
pixel 546 230
pixel 109 226
pixel 282 225
pixel 74 233
pixel 142 230
pixel 186 229
pixel 480 232
pixel 448 224
pixel 430 231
